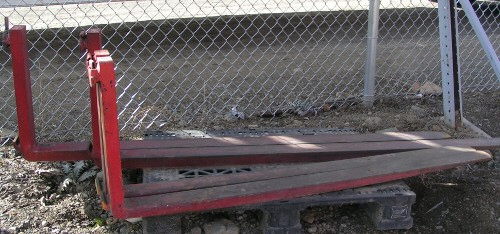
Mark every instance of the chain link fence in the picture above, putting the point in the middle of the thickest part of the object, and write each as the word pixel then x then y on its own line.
pixel 477 73
pixel 188 63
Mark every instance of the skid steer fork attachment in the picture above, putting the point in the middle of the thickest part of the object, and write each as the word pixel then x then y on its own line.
pixel 340 161
pixel 207 193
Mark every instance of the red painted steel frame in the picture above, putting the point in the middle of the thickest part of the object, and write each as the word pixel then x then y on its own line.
pixel 106 144
pixel 91 41
pixel 136 154
pixel 102 78
pixel 26 141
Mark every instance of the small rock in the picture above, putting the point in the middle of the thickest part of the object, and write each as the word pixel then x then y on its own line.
pixel 312 229
pixel 298 69
pixel 387 130
pixel 65 185
pixel 44 223
pixel 48 173
pixel 309 218
pixel 415 87
pixel 372 122
pixel 270 114
pixel 111 220
pixel 195 230
pixel 410 118
pixel 134 220
pixel 236 113
pixel 436 128
pixel 303 113
pixel 124 229
pixel 253 126
pixel 222 226
pixel 326 107
pixel 217 127
pixel 439 227
pixel 429 88
pixel 55 231
pixel 418 111
pixel 6 133
pixel 25 225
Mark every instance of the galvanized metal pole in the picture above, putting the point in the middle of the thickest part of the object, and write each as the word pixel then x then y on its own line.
pixel 371 51
pixel 481 35
pixel 450 72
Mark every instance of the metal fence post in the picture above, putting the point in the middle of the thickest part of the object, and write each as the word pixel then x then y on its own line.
pixel 481 35
pixel 371 51
pixel 450 72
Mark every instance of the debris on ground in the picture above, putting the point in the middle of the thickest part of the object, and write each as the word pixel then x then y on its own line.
pixel 429 88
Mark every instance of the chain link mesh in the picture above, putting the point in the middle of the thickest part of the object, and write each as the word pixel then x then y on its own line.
pixel 188 63
pixel 477 73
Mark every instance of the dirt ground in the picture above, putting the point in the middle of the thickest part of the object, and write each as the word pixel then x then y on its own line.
pixel 60 197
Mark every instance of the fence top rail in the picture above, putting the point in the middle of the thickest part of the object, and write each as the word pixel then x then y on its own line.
pixel 30 3
pixel 77 13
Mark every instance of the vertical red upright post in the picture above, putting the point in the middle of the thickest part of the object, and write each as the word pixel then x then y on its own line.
pixel 22 88
pixel 105 85
pixel 93 43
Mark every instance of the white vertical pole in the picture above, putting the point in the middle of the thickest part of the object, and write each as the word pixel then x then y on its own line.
pixel 450 73
pixel 370 65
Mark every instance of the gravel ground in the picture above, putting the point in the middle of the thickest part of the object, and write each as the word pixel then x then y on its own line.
pixel 60 197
